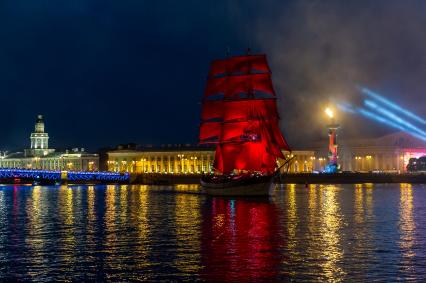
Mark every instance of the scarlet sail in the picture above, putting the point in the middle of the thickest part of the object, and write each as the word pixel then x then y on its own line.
pixel 239 64
pixel 232 85
pixel 240 115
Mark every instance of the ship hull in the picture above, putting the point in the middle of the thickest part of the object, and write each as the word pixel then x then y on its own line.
pixel 254 186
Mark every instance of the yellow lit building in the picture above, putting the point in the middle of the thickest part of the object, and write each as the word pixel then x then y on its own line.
pixel 390 153
pixel 183 160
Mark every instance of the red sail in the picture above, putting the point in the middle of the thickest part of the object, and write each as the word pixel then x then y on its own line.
pixel 250 145
pixel 278 137
pixel 249 109
pixel 239 118
pixel 228 154
pixel 239 64
pixel 240 131
pixel 211 110
pixel 218 159
pixel 234 85
pixel 248 156
pixel 249 84
pixel 209 131
pixel 275 142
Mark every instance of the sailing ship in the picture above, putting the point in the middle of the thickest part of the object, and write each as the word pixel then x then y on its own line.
pixel 239 116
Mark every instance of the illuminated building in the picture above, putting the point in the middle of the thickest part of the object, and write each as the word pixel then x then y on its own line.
pixel 40 156
pixel 167 160
pixel 183 160
pixel 390 153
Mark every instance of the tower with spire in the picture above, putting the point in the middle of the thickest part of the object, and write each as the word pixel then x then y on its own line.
pixel 39 139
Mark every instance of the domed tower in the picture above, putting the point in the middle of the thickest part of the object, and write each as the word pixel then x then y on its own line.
pixel 39 126
pixel 39 139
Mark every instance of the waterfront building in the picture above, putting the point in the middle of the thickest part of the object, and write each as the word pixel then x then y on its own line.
pixel 390 153
pixel 183 159
pixel 40 156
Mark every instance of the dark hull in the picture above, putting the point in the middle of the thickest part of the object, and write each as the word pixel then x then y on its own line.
pixel 248 186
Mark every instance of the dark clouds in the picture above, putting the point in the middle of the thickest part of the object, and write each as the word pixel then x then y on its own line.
pixel 320 51
pixel 105 72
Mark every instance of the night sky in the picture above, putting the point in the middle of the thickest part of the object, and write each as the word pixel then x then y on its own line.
pixel 105 72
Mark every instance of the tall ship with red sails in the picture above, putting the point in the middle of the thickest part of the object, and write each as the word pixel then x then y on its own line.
pixel 240 117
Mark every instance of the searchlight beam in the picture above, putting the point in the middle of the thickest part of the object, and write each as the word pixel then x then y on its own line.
pixel 393 117
pixel 392 105
pixel 377 118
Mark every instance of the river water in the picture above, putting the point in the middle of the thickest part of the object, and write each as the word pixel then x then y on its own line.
pixel 151 233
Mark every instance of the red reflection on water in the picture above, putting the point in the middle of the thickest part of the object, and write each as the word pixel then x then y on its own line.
pixel 240 241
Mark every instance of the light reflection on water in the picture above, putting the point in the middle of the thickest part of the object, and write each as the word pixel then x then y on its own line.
pixel 330 233
pixel 188 235
pixel 407 228
pixel 3 232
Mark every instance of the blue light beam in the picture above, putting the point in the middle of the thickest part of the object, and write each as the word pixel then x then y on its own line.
pixel 394 117
pixel 373 116
pixel 392 105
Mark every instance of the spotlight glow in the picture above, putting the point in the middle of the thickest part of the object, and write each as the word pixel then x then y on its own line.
pixel 329 112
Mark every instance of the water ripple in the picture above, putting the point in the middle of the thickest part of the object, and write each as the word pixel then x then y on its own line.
pixel 157 233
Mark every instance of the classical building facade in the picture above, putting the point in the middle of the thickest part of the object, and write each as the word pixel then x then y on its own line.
pixel 183 160
pixel 40 156
pixel 390 153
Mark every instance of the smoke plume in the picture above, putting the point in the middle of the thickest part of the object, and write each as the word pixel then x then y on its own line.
pixel 320 51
